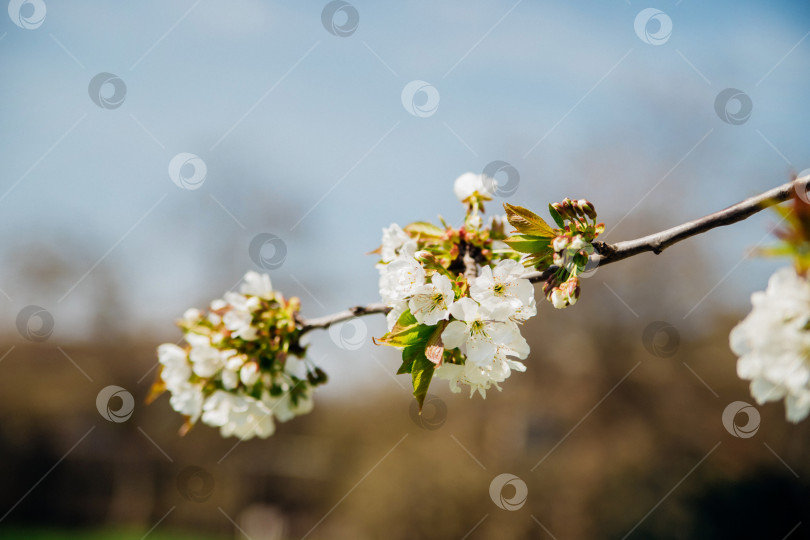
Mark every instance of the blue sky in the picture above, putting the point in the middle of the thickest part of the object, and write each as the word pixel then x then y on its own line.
pixel 304 135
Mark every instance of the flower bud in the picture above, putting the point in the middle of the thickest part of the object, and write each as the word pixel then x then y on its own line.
pixel 470 185
pixel 557 299
pixel 249 373
pixel 560 208
pixel 571 290
pixel 560 243
pixel 232 360
pixel 577 243
pixel 563 295
pixel 588 208
pixel 191 316
pixel 230 379
pixel 572 207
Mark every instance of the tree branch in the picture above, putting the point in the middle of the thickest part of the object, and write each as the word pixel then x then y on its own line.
pixel 609 253
pixel 658 242
pixel 352 312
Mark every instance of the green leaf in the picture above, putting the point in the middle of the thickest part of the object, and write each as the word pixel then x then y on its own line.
pixel 431 262
pixel 406 332
pixel 407 336
pixel 409 354
pixel 431 348
pixel 527 222
pixel 424 228
pixel 529 244
pixel 540 261
pixel 558 219
pixel 416 339
pixel 406 319
pixel 422 373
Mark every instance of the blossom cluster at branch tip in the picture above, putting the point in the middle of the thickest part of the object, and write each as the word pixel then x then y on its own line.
pixel 773 341
pixel 568 248
pixel 243 364
pixel 573 247
pixel 449 322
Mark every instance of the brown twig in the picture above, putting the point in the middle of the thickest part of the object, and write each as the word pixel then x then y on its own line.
pixel 609 253
pixel 329 320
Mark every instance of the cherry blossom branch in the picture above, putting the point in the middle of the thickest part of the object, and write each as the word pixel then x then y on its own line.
pixel 609 253
pixel 737 212
pixel 328 320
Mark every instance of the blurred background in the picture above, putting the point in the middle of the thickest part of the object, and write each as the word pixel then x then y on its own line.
pixel 153 152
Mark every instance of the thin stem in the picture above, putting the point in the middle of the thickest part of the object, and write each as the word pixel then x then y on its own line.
pixel 658 242
pixel 329 320
pixel 609 253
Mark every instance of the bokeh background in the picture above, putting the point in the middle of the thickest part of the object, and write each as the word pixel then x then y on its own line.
pixel 298 121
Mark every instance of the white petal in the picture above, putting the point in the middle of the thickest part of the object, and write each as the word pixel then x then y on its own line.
pixel 764 391
pixel 481 287
pixel 480 350
pixel 169 354
pixel 197 340
pixel 257 285
pixel 230 379
pixel 455 335
pixel 466 309
pixel 794 411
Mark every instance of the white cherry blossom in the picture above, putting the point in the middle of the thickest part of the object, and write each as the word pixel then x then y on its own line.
pixel 479 336
pixel 256 284
pixel 233 362
pixel 773 343
pixel 503 291
pixel 284 409
pixel 400 278
pixel 478 377
pixel 209 379
pixel 187 399
pixel 249 373
pixel 432 301
pixel 206 360
pixel 176 369
pixel 469 184
pixel 238 415
pixel 191 316
pixel 395 243
pixel 239 319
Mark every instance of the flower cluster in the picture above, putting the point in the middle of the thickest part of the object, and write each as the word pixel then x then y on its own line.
pixel 567 249
pixel 457 297
pixel 573 247
pixel 451 319
pixel 773 343
pixel 240 368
